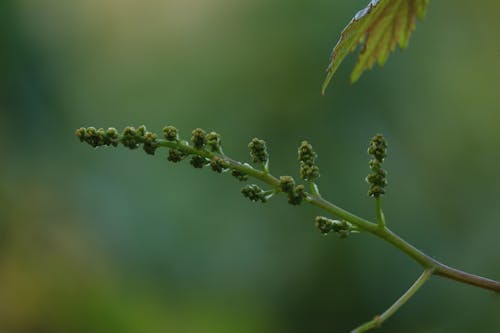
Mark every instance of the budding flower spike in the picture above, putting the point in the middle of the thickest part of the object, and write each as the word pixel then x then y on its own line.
pixel 342 228
pixel 309 171
pixel 205 149
pixel 258 152
pixel 378 178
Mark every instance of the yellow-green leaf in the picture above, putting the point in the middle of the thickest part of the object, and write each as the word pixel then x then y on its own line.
pixel 379 27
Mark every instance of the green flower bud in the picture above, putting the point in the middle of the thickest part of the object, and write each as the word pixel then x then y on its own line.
pixel 198 161
pixel 287 184
pixel 258 151
pixel 141 130
pixel 218 164
pixel 175 155
pixel 171 133
pixel 378 178
pixel 80 134
pixel 239 175
pixel 101 137
pixel 376 191
pixel 378 148
pixel 309 172
pixel 112 136
pixel 254 193
pixel 150 144
pixel 297 195
pixel 214 141
pixel 199 138
pixel 306 153
pixel 129 131
pixel 91 137
pixel 326 225
pixel 129 137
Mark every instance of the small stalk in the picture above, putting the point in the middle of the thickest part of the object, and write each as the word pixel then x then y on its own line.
pixel 380 213
pixel 378 320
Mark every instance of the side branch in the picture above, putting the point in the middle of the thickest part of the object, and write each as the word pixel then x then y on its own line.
pixel 378 320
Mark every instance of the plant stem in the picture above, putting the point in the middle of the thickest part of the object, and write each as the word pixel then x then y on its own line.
pixel 378 320
pixel 379 229
pixel 380 213
pixel 376 229
pixel 417 255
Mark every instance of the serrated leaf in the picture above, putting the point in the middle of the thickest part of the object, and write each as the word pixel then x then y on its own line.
pixel 379 27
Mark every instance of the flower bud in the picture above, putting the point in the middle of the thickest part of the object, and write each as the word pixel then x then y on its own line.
pixel 306 153
pixel 214 141
pixel 218 164
pixel 239 175
pixel 198 162
pixel 378 178
pixel 258 151
pixel 254 193
pixel 297 195
pixel 199 138
pixel 129 137
pixel 171 133
pixel 150 144
pixel 287 184
pixel 175 155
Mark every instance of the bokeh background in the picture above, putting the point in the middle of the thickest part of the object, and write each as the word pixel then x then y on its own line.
pixel 112 240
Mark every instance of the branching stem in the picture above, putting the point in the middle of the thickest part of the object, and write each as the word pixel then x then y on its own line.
pixel 220 162
pixel 376 229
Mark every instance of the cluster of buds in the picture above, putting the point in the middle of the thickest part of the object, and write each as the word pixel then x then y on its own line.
pixel 218 164
pixel 205 149
pixel 98 137
pixel 208 152
pixel 199 138
pixel 170 133
pixel 255 193
pixel 342 228
pixel 378 177
pixel 309 171
pixel 198 162
pixel 214 142
pixel 130 137
pixel 241 176
pixel 175 155
pixel 295 193
pixel 258 151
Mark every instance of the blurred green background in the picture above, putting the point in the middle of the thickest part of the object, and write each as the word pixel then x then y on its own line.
pixel 117 241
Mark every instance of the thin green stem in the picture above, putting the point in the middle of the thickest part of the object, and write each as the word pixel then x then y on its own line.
pixel 380 213
pixel 314 188
pixel 378 320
